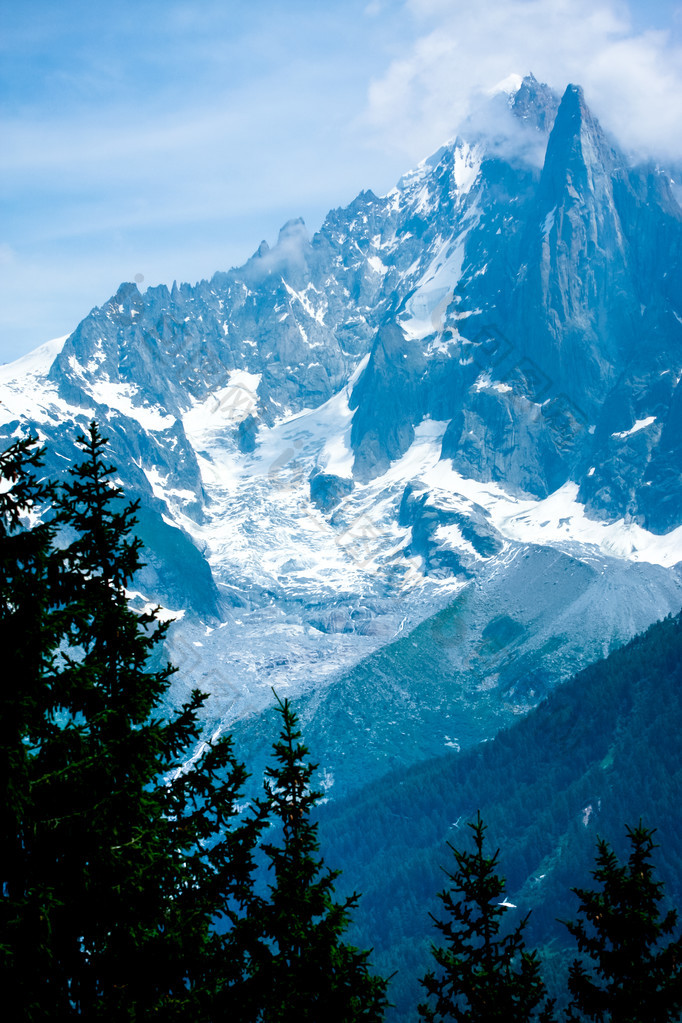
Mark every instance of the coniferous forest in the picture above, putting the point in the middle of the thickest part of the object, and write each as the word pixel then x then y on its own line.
pixel 145 875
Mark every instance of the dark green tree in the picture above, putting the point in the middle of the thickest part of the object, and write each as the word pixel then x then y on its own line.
pixel 626 974
pixel 28 636
pixel 304 970
pixel 122 859
pixel 483 976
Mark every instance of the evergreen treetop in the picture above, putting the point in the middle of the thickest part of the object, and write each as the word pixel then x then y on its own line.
pixel 306 971
pixel 483 975
pixel 626 974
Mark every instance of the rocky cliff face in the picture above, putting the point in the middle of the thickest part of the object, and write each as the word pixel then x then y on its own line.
pixel 335 440
pixel 549 333
pixel 538 310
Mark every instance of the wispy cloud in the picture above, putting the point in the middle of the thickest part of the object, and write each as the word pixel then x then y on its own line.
pixel 633 78
pixel 168 138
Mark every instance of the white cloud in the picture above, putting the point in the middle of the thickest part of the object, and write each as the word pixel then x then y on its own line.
pixel 632 80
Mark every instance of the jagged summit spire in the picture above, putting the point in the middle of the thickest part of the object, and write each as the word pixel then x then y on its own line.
pixel 578 152
pixel 293 230
pixel 535 104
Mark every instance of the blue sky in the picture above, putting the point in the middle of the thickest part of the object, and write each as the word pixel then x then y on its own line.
pixel 167 139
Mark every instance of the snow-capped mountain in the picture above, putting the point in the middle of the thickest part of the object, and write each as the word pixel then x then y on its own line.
pixel 442 386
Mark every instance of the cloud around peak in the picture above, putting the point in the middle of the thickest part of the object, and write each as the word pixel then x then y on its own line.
pixel 632 78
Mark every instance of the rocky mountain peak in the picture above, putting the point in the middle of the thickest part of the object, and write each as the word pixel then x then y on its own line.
pixel 535 104
pixel 293 230
pixel 289 255
pixel 497 295
pixel 579 158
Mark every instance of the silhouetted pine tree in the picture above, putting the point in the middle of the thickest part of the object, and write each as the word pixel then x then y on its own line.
pixel 121 870
pixel 28 636
pixel 627 976
pixel 482 976
pixel 303 970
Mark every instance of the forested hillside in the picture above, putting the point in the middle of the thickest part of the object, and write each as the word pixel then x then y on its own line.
pixel 602 750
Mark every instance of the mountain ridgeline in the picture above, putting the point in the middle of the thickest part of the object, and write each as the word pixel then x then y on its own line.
pixel 537 310
pixel 418 468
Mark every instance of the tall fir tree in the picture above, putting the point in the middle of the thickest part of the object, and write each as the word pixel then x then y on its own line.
pixel 627 974
pixel 122 861
pixel 29 633
pixel 482 976
pixel 303 970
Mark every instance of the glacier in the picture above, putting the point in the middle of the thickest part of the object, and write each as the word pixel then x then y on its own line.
pixel 463 394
